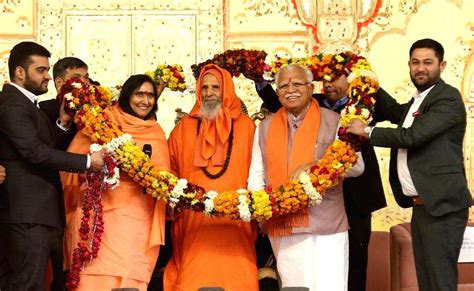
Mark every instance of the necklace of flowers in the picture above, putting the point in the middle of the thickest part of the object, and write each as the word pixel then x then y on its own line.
pixel 92 221
pixel 328 171
pixel 88 103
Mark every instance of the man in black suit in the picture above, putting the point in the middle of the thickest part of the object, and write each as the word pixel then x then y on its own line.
pixel 362 195
pixel 427 166
pixel 31 200
pixel 63 70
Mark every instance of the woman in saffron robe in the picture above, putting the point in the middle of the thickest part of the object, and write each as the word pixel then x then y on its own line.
pixel 134 222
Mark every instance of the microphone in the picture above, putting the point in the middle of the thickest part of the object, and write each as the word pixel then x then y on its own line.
pixel 147 151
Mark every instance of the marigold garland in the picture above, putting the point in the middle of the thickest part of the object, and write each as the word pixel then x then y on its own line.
pixel 363 84
pixel 242 204
pixel 323 66
pixel 172 76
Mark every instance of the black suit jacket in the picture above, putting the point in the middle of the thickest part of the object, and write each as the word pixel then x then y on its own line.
pixel 63 138
pixel 362 194
pixel 32 191
pixel 434 143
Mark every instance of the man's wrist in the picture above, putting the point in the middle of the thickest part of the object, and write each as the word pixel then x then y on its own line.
pixel 368 130
pixel 63 125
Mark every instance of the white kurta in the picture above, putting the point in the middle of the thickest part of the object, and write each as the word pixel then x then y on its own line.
pixel 319 262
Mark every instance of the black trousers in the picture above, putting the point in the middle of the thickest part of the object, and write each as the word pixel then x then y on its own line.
pixel 359 237
pixel 24 252
pixel 56 255
pixel 437 243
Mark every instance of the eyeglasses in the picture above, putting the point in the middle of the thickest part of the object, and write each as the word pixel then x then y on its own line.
pixel 141 94
pixel 296 85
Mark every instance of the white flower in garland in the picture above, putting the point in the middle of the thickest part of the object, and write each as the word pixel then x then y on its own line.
pixel 314 196
pixel 358 73
pixel 177 192
pixel 350 112
pixel 77 85
pixel 244 209
pixel 366 114
pixel 69 98
pixel 117 142
pixel 209 202
pixel 268 74
pixel 95 147
pixel 111 181
pixel 114 180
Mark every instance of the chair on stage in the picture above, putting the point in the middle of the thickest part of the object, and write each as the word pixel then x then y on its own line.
pixel 402 270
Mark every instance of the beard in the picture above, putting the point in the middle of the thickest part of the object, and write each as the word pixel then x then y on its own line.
pixel 210 109
pixel 34 87
pixel 427 82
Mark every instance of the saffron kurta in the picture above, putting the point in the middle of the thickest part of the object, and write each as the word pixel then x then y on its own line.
pixel 212 252
pixel 134 222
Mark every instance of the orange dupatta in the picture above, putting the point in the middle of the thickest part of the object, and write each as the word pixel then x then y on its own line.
pixel 280 166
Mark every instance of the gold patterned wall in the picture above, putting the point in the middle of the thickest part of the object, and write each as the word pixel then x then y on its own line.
pixel 119 38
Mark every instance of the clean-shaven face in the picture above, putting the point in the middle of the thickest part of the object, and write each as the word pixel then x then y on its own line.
pixel 294 91
pixel 143 100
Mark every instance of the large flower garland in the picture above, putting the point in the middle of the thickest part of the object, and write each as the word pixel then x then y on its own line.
pixel 92 221
pixel 363 84
pixel 251 63
pixel 172 76
pixel 307 190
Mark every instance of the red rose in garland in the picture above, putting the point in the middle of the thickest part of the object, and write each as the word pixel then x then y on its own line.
pixel 248 62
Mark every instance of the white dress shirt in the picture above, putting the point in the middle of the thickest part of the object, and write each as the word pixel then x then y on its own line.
pixel 402 166
pixel 27 93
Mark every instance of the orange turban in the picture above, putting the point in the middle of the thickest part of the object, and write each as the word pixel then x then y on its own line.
pixel 214 134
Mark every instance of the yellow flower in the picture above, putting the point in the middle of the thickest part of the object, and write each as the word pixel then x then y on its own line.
pixel 339 59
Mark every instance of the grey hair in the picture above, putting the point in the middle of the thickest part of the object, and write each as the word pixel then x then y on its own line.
pixel 290 67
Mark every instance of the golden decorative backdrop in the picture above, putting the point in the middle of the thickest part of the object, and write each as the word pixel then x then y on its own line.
pixel 118 38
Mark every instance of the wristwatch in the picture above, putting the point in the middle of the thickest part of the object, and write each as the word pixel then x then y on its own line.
pixel 368 130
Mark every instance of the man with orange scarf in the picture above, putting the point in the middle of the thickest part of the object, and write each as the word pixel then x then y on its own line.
pixel 212 147
pixel 311 247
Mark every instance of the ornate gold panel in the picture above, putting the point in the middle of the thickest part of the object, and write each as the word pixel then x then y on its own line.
pixel 18 18
pixel 108 54
pixel 155 36
pixel 118 38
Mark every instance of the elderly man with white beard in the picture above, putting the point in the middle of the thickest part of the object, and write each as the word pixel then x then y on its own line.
pixel 212 147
